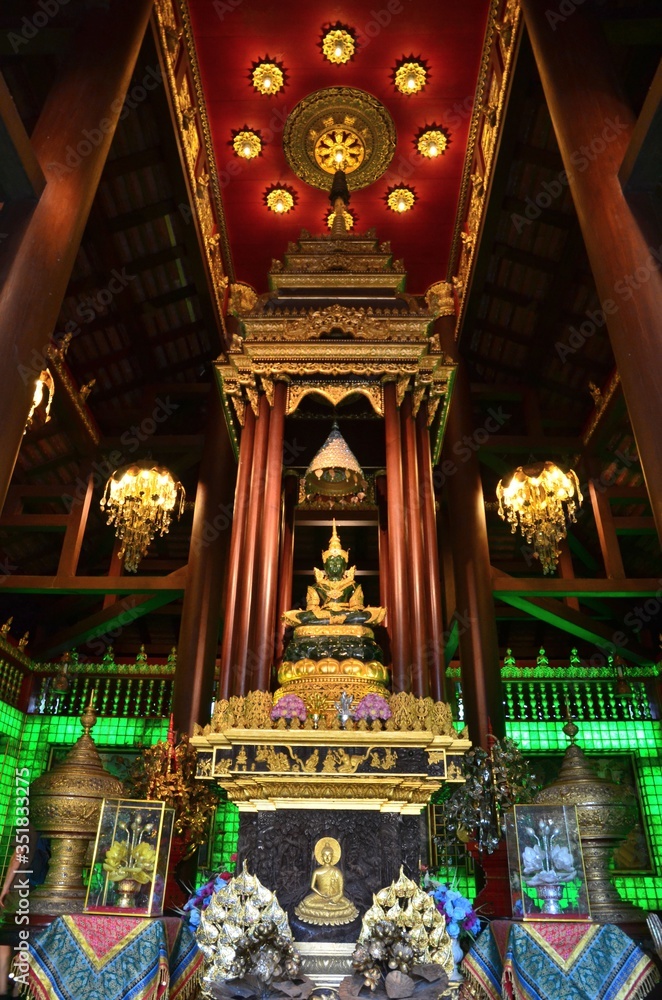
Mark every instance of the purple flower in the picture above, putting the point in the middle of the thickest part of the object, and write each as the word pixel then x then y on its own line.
pixel 290 706
pixel 372 706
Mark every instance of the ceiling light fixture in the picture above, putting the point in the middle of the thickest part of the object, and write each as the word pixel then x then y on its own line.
pixel 410 75
pixel 268 76
pixel 246 143
pixel 140 499
pixel 44 385
pixel 432 141
pixel 280 199
pixel 534 501
pixel 338 43
pixel 400 199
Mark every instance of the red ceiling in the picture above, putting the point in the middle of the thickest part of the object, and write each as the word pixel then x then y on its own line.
pixel 232 34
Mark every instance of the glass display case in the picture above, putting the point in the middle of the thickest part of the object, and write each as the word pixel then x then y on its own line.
pixel 130 863
pixel 545 862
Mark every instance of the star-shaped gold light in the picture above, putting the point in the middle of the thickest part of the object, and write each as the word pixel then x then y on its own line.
pixel 400 199
pixel 268 77
pixel 246 143
pixel 280 199
pixel 432 141
pixel 338 43
pixel 410 75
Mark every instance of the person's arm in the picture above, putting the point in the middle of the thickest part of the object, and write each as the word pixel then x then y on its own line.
pixel 14 865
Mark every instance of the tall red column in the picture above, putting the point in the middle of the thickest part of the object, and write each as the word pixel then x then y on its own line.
pixel 416 566
pixel 258 673
pixel 90 90
pixel 239 517
pixel 199 628
pixel 479 649
pixel 593 126
pixel 384 563
pixel 399 603
pixel 286 563
pixel 432 584
pixel 240 640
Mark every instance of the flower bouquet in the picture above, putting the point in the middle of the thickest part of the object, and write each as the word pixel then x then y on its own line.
pixel 200 899
pixel 372 707
pixel 462 921
pixel 289 707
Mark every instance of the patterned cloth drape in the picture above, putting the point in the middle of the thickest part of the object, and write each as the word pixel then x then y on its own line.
pixel 88 957
pixel 556 960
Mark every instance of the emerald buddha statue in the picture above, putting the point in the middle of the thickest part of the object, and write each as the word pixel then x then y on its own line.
pixel 333 648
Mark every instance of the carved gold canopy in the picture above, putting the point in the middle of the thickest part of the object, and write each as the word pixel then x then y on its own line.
pixel 306 333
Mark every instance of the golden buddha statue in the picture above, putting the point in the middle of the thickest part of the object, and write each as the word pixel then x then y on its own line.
pixel 327 905
pixel 336 598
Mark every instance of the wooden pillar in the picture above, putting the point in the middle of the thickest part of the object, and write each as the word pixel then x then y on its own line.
pixel 263 625
pixel 239 517
pixel 414 541
pixel 199 628
pixel 593 126
pixel 479 650
pixel 240 640
pixel 71 142
pixel 399 588
pixel 432 581
pixel 384 571
pixel 286 562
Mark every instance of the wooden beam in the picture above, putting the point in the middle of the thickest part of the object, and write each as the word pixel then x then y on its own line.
pixel 554 613
pixel 20 173
pixel 640 169
pixel 73 537
pixel 604 522
pixel 93 584
pixel 109 619
pixel 508 586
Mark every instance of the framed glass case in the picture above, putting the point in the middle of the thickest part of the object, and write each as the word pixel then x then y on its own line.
pixel 130 862
pixel 545 863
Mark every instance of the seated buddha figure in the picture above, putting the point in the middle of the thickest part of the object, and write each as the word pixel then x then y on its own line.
pixel 326 904
pixel 336 598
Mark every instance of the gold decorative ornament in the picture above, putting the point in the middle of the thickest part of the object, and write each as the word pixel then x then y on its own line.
pixel 339 128
pixel 432 141
pixel 540 500
pixel 411 908
pixel 400 199
pixel 335 472
pixel 327 905
pixel 268 77
pixel 140 499
pixel 410 75
pixel 43 386
pixel 65 804
pixel 246 144
pixel 338 44
pixel 339 148
pixel 348 216
pixel 280 200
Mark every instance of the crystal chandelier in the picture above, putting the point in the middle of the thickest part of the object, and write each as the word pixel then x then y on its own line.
pixel 541 500
pixel 140 499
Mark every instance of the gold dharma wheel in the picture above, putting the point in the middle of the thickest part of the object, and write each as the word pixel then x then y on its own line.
pixel 339 148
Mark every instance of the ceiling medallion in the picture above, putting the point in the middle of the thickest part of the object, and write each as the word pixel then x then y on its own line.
pixel 400 199
pixel 246 143
pixel 432 141
pixel 410 75
pixel 280 198
pixel 267 76
pixel 339 148
pixel 339 128
pixel 338 43
pixel 348 216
